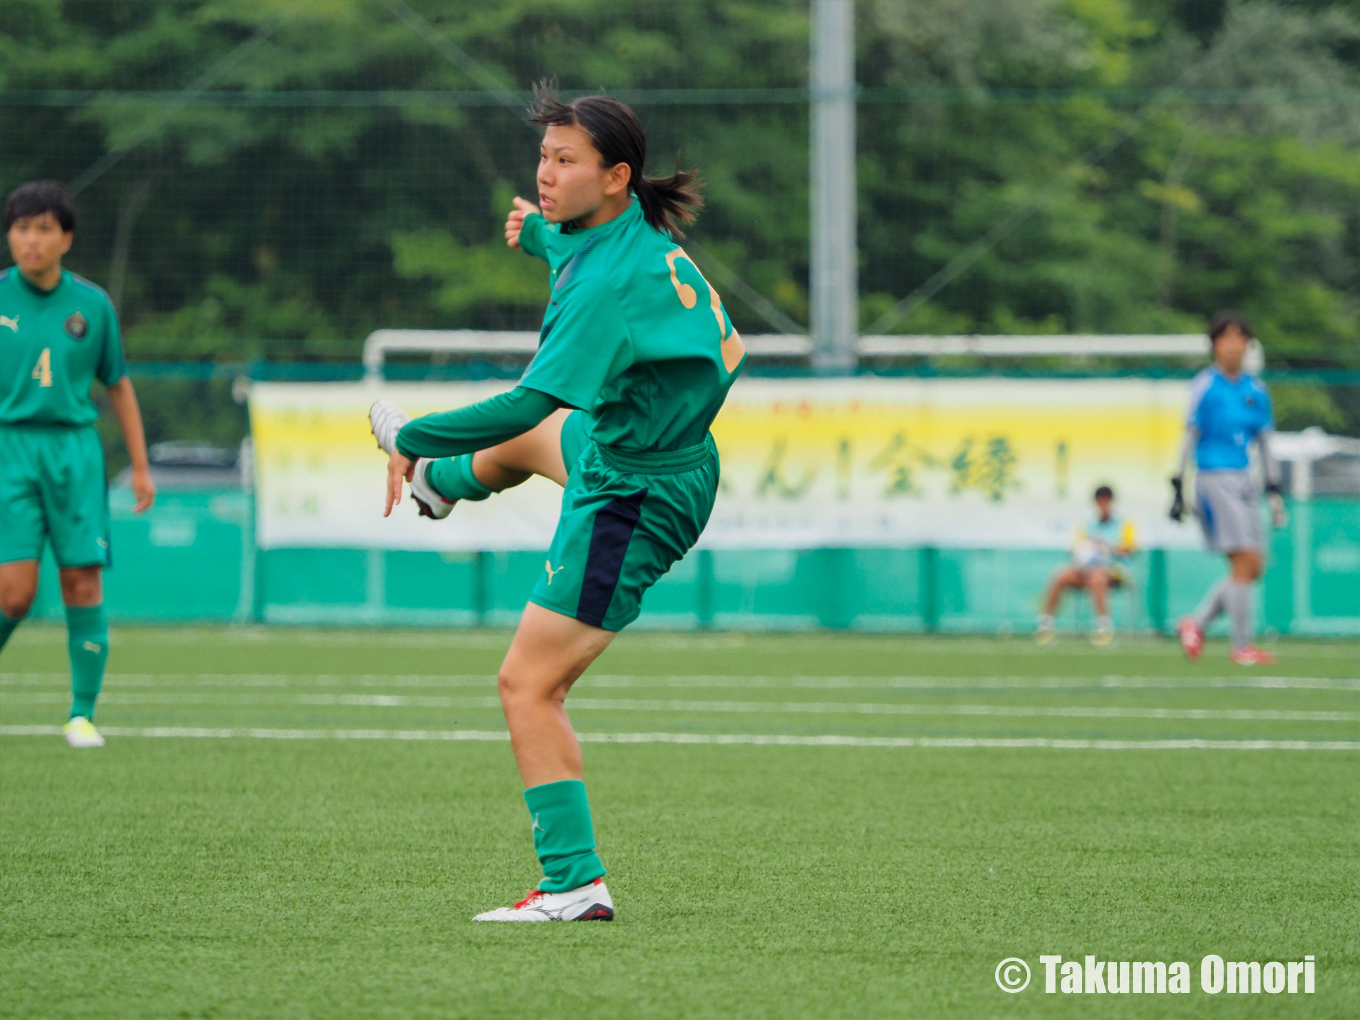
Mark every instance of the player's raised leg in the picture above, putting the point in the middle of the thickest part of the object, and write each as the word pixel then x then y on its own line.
pixel 549 652
pixel 438 483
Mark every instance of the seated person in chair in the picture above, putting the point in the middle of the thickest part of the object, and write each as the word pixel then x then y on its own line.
pixel 1098 565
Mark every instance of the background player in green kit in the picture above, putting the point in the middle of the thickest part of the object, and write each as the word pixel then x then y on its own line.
pixel 58 333
pixel 635 358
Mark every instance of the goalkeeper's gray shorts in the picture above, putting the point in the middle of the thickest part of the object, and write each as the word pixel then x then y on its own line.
pixel 1229 511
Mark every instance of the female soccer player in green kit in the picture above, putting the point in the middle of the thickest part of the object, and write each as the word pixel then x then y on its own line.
pixel 635 358
pixel 58 333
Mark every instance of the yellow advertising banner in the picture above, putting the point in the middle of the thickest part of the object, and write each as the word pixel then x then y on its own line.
pixel 805 463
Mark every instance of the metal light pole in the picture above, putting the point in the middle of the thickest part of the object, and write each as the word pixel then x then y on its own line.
pixel 835 266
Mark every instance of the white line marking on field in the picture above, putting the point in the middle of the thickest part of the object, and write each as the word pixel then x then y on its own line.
pixel 922 682
pixel 764 643
pixel 757 739
pixel 952 682
pixel 720 707
pixel 1039 711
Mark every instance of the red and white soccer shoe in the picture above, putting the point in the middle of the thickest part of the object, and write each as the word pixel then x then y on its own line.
pixel 586 903
pixel 386 419
pixel 1192 638
pixel 1251 656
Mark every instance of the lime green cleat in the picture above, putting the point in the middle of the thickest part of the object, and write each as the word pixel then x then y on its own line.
pixel 80 732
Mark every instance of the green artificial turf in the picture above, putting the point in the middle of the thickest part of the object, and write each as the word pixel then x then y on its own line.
pixel 293 873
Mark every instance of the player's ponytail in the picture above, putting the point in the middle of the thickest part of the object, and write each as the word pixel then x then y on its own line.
pixel 617 134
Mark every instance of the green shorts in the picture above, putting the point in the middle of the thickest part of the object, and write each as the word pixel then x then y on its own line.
pixel 626 519
pixel 53 485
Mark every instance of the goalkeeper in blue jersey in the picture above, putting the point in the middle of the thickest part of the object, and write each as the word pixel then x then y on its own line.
pixel 1099 555
pixel 1229 409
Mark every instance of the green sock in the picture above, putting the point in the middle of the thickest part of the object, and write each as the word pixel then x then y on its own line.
pixel 452 478
pixel 564 839
pixel 87 639
pixel 7 628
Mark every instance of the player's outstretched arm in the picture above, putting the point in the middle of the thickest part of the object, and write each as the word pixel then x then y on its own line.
pixel 129 414
pixel 478 426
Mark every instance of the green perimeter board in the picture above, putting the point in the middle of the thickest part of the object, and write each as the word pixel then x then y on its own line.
pixel 191 558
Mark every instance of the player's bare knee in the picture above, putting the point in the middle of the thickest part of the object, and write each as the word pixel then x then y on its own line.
pixel 516 688
pixel 81 587
pixel 506 685
pixel 16 601
pixel 1246 566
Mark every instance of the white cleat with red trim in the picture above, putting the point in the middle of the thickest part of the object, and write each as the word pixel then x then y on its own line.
pixel 1251 656
pixel 586 903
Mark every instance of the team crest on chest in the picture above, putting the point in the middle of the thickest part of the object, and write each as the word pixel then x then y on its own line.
pixel 77 326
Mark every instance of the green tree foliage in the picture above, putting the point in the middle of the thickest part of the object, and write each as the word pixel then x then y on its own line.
pixel 335 167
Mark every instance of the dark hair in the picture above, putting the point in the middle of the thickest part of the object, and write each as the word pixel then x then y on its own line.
pixel 38 197
pixel 617 133
pixel 1104 492
pixel 1226 320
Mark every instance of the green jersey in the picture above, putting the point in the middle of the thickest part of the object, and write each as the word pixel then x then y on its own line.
pixel 53 345
pixel 634 335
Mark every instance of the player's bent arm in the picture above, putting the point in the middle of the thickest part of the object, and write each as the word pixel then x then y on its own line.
pixel 524 229
pixel 1128 541
pixel 1178 479
pixel 478 426
pixel 129 414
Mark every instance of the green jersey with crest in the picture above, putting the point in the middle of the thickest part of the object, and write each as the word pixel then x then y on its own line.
pixel 633 335
pixel 53 345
